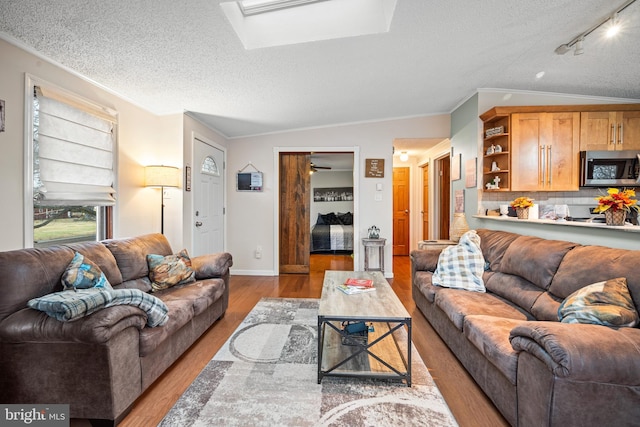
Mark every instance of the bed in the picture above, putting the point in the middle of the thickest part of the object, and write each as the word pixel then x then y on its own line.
pixel 332 232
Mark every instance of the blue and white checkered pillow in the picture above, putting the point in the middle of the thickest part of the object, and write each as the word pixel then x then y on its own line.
pixel 461 266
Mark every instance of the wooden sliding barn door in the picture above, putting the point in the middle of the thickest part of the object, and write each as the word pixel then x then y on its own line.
pixel 295 198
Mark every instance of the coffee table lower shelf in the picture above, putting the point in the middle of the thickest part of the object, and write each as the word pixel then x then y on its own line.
pixel 384 354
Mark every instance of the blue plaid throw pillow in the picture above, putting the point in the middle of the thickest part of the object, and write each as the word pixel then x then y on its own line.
pixel 461 266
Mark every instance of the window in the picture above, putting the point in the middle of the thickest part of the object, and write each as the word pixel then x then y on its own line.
pixel 72 147
pixel 210 167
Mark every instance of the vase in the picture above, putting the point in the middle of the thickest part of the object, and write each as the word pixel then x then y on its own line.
pixel 459 226
pixel 523 213
pixel 615 218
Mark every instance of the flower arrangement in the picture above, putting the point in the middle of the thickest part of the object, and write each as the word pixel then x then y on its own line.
pixel 617 200
pixel 522 202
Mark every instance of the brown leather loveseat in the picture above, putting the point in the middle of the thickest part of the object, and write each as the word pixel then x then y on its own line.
pixel 99 364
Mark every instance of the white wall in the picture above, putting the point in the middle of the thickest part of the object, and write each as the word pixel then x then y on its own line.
pixel 252 218
pixel 143 139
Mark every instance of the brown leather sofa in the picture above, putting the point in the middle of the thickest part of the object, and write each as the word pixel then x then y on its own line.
pixel 99 364
pixel 537 370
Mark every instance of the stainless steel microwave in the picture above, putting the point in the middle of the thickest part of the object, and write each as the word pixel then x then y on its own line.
pixel 609 168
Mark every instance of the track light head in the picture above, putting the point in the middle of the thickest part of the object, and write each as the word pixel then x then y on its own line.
pixel 579 47
pixel 614 26
pixel 562 49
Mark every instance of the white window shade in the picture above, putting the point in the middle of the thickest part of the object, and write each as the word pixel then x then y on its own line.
pixel 74 153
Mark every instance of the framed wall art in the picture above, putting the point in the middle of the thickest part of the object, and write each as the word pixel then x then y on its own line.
pixel 470 173
pixel 333 194
pixel 455 166
pixel 1 115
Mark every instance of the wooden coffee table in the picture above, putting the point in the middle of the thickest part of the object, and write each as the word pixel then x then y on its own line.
pixel 385 352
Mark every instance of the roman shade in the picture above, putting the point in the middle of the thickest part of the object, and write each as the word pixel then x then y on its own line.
pixel 73 151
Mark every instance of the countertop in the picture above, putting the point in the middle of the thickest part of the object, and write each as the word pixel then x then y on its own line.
pixel 628 227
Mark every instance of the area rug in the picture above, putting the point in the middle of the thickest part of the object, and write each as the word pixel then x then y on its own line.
pixel 266 375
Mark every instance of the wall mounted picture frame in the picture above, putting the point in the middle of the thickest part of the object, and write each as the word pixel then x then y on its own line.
pixel 455 166
pixel 459 201
pixel 1 115
pixel 249 181
pixel 470 173
pixel 333 194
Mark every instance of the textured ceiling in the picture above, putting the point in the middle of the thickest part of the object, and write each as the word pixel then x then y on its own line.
pixel 171 56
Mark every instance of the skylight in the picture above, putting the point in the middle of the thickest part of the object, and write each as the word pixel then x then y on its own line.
pixel 301 21
pixel 254 7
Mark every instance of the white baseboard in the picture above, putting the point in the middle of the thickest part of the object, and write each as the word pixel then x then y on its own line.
pixel 236 272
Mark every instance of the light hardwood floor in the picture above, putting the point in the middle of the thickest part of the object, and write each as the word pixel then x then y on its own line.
pixel 468 403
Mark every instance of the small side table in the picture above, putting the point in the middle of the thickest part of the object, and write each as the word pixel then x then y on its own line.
pixel 369 246
pixel 435 245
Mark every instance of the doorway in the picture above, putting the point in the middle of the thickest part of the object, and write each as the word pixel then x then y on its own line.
pixel 425 202
pixel 401 194
pixel 288 251
pixel 444 196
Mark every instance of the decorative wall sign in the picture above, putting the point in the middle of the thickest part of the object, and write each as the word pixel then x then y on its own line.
pixel 249 181
pixel 470 173
pixel 334 194
pixel 374 168
pixel 1 115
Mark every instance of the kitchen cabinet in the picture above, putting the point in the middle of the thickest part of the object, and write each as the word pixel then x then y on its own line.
pixel 610 130
pixel 545 151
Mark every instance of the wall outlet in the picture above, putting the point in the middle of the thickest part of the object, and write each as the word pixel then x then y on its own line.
pixel 258 252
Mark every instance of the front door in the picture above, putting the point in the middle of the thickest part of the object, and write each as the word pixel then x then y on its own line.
pixel 208 199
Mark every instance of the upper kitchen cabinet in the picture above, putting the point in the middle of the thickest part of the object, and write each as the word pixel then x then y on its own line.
pixel 545 151
pixel 610 130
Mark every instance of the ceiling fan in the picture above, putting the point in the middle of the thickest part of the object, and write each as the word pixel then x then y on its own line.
pixel 315 168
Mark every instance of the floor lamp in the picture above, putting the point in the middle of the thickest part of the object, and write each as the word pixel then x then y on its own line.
pixel 161 176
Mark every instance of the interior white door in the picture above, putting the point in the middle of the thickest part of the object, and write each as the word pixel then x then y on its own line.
pixel 208 196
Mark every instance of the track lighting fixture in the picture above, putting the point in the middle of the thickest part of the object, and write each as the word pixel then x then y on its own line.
pixel 579 48
pixel 577 43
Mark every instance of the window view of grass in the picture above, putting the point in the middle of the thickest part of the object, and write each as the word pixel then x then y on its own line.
pixel 64 225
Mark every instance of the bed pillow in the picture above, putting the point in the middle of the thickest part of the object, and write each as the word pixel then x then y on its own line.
pixel 330 219
pixel 170 270
pixel 67 306
pixel 605 303
pixel 82 273
pixel 461 266
pixel 345 218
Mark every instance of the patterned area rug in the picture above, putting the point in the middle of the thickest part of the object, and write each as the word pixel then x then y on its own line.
pixel 266 375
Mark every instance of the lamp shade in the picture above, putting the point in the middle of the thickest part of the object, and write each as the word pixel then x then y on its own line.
pixel 161 176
